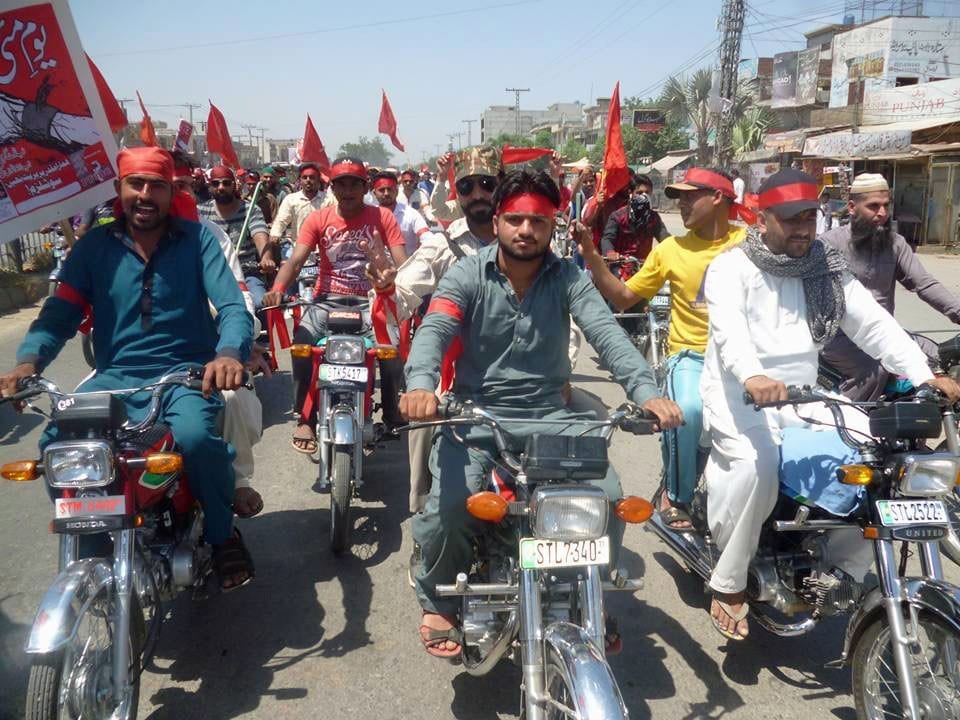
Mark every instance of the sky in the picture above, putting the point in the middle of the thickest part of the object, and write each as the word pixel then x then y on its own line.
pixel 268 64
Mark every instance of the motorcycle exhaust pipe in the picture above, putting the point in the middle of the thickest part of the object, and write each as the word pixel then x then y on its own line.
pixel 680 546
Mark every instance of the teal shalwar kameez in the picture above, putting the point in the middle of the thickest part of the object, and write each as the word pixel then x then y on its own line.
pixel 514 364
pixel 152 318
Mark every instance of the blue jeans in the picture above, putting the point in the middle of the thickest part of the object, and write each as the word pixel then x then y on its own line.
pixel 257 290
pixel 680 447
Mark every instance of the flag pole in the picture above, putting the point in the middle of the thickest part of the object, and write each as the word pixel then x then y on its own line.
pixel 246 221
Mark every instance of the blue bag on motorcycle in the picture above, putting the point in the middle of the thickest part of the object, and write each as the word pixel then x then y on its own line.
pixel 808 470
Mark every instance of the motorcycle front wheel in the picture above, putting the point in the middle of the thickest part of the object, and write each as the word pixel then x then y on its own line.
pixel 76 682
pixel 935 670
pixel 341 489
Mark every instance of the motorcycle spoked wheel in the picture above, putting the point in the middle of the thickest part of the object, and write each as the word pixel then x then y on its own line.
pixel 341 489
pixel 75 682
pixel 876 688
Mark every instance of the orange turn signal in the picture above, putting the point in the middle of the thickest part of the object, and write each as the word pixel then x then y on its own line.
pixel 22 471
pixel 301 351
pixel 855 474
pixel 871 533
pixel 387 352
pixel 633 509
pixel 487 506
pixel 163 463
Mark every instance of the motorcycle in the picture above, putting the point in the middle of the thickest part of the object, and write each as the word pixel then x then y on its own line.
pixel 535 589
pixel 344 375
pixel 890 490
pixel 647 325
pixel 130 535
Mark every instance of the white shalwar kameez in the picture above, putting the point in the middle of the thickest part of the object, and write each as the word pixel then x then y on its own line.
pixel 758 326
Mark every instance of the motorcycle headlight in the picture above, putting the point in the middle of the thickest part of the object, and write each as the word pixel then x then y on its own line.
pixel 934 474
pixel 345 351
pixel 78 464
pixel 569 512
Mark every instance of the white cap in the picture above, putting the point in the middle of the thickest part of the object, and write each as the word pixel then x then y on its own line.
pixel 869 182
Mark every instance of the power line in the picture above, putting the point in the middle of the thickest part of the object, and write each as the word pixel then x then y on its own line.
pixel 307 33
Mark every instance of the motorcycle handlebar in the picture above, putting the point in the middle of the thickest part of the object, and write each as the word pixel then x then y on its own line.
pixel 796 395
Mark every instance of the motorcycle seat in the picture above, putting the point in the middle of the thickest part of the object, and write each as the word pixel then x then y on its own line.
pixel 808 470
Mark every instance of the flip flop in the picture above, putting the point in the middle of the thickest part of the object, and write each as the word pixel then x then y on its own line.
pixel 735 616
pixel 258 507
pixel 674 514
pixel 433 638
pixel 307 446
pixel 233 558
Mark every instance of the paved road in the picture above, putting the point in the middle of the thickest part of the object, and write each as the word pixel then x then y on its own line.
pixel 317 636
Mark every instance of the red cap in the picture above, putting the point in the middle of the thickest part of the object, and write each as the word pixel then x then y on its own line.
pixel 222 172
pixel 146 161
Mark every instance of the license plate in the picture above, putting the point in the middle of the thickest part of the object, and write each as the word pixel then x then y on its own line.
pixel 660 301
pixel 353 373
pixel 90 506
pixel 309 272
pixel 912 512
pixel 536 554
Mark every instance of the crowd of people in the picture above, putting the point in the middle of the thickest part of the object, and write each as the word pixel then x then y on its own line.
pixel 178 269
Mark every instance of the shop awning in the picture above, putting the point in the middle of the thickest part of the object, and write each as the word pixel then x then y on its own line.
pixel 891 141
pixel 666 164
pixel 759 155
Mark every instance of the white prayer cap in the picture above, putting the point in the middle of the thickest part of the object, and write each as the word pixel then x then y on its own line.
pixel 869 182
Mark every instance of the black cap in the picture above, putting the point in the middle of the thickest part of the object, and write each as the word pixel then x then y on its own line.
pixel 788 193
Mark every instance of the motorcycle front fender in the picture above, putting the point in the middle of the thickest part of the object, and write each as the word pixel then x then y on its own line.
pixel 65 603
pixel 595 690
pixel 342 426
pixel 933 596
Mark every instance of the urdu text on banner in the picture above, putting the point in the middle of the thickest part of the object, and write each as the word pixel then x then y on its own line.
pixel 57 155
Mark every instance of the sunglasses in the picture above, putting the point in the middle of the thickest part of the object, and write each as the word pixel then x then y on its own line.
pixel 487 184
pixel 224 183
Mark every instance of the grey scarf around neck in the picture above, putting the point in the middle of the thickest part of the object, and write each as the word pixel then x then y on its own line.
pixel 821 270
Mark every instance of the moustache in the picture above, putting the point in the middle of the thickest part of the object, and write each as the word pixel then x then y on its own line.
pixel 145 206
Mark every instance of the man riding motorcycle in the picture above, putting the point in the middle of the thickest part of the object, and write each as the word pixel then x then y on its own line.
pixel 511 306
pixel 879 258
pixel 343 235
pixel 149 279
pixel 705 197
pixel 774 301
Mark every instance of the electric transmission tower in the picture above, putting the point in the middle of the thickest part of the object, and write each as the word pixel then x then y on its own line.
pixel 731 32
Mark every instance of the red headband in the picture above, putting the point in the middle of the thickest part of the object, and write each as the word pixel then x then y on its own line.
pixel 787 193
pixel 146 161
pixel 384 182
pixel 528 204
pixel 712 180
pixel 222 172
pixel 347 168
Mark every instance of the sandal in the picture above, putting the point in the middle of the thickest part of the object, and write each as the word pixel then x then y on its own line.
pixel 433 638
pixel 741 614
pixel 250 500
pixel 232 558
pixel 612 642
pixel 305 445
pixel 673 515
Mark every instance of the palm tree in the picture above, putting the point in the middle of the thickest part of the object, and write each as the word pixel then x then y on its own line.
pixel 685 100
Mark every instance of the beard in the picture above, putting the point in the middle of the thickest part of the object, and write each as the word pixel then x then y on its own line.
pixel 863 232
pixel 223 198
pixel 508 250
pixel 153 223
pixel 479 212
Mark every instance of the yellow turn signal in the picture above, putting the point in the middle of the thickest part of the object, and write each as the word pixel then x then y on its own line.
pixel 387 352
pixel 164 463
pixel 301 351
pixel 855 474
pixel 21 471
pixel 633 509
pixel 487 506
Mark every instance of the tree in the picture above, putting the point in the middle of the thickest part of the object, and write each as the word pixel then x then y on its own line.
pixel 573 150
pixel 543 139
pixel 685 102
pixel 369 150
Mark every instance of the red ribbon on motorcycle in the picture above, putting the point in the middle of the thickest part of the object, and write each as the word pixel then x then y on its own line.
pixel 275 322
pixel 311 399
pixel 384 303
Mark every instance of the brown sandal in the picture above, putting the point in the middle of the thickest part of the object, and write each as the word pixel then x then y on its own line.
pixel 433 638
pixel 305 445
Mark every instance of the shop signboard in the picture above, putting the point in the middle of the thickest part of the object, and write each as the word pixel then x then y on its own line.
pixel 854 145
pixel 808 70
pixel 785 79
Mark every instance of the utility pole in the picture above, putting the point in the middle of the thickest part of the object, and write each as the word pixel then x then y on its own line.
pixel 516 104
pixel 437 146
pixel 469 131
pixel 450 137
pixel 731 33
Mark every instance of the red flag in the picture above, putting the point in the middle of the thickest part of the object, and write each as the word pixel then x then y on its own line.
pixel 388 123
pixel 513 155
pixel 616 174
pixel 312 149
pixel 116 117
pixel 218 138
pixel 147 134
pixel 451 178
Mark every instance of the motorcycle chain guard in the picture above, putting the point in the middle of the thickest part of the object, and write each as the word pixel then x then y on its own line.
pixel 565 457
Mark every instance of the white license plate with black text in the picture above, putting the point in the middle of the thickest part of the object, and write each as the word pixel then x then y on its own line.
pixel 660 301
pixel 536 554
pixel 912 512
pixel 353 373
pixel 90 506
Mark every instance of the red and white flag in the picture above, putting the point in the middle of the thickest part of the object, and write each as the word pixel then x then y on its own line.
pixel 218 138
pixel 388 123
